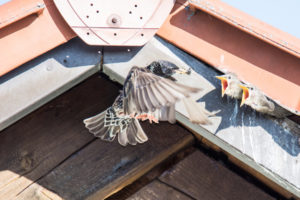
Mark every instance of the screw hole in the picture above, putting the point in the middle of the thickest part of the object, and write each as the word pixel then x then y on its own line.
pixel 87 16
pixel 135 5
pixel 91 4
pixel 130 12
pixel 114 20
pixel 142 34
pixel 87 33
pixel 97 11
pixel 141 17
pixel 115 34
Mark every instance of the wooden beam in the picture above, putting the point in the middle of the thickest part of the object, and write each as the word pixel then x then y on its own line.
pixel 159 191
pixel 204 178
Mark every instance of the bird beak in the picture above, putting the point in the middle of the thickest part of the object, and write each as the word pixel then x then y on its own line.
pixel 183 71
pixel 245 94
pixel 224 83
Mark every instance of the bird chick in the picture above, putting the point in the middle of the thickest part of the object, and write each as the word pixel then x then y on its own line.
pixel 231 85
pixel 146 94
pixel 254 98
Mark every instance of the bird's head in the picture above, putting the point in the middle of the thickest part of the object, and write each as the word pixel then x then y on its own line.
pixel 166 69
pixel 248 92
pixel 230 85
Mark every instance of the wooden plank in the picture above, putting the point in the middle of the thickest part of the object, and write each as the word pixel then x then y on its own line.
pixel 267 145
pixel 102 168
pixel 44 78
pixel 204 178
pixel 158 191
pixel 150 176
pixel 38 143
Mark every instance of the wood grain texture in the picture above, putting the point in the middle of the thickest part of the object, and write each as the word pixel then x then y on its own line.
pixel 103 168
pixel 51 146
pixel 204 178
pixel 33 146
pixel 150 176
pixel 158 191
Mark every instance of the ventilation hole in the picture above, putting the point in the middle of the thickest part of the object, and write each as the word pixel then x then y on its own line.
pixel 97 11
pixel 130 12
pixel 91 4
pixel 115 34
pixel 135 5
pixel 142 34
pixel 87 33
pixel 141 17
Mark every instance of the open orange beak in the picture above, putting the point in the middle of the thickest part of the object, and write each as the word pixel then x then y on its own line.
pixel 224 84
pixel 245 94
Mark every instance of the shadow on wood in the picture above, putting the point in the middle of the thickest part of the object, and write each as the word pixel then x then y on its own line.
pixel 49 153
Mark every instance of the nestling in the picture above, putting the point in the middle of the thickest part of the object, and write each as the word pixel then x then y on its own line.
pixel 254 98
pixel 231 85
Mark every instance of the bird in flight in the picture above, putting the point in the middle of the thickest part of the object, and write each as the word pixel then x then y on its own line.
pixel 148 93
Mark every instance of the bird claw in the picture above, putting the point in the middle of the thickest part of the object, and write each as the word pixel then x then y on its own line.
pixel 144 117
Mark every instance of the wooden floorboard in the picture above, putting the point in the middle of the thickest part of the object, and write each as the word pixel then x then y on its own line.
pixel 102 168
pixel 39 142
pixel 158 191
pixel 202 177
pixel 50 155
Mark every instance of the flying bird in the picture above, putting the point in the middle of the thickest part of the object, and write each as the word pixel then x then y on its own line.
pixel 231 85
pixel 254 98
pixel 147 94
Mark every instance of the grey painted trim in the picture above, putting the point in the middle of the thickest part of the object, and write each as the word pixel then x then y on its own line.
pixel 44 78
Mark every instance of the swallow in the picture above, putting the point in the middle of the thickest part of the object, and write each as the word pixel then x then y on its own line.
pixel 231 85
pixel 254 98
pixel 147 94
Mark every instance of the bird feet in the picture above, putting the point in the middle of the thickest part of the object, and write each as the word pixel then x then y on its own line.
pixel 146 116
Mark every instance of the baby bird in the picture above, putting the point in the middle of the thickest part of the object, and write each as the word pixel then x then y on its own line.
pixel 231 85
pixel 147 94
pixel 254 98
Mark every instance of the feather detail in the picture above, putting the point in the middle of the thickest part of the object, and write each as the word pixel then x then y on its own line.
pixel 140 134
pixel 197 114
pixel 122 138
pixel 171 114
pixel 94 120
pixel 131 134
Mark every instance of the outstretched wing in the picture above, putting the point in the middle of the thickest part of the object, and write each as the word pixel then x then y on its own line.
pixel 147 92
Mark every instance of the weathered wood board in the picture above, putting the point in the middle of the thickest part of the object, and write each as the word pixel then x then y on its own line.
pixel 158 191
pixel 268 146
pixel 202 177
pixel 49 154
pixel 35 145
pixel 44 78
